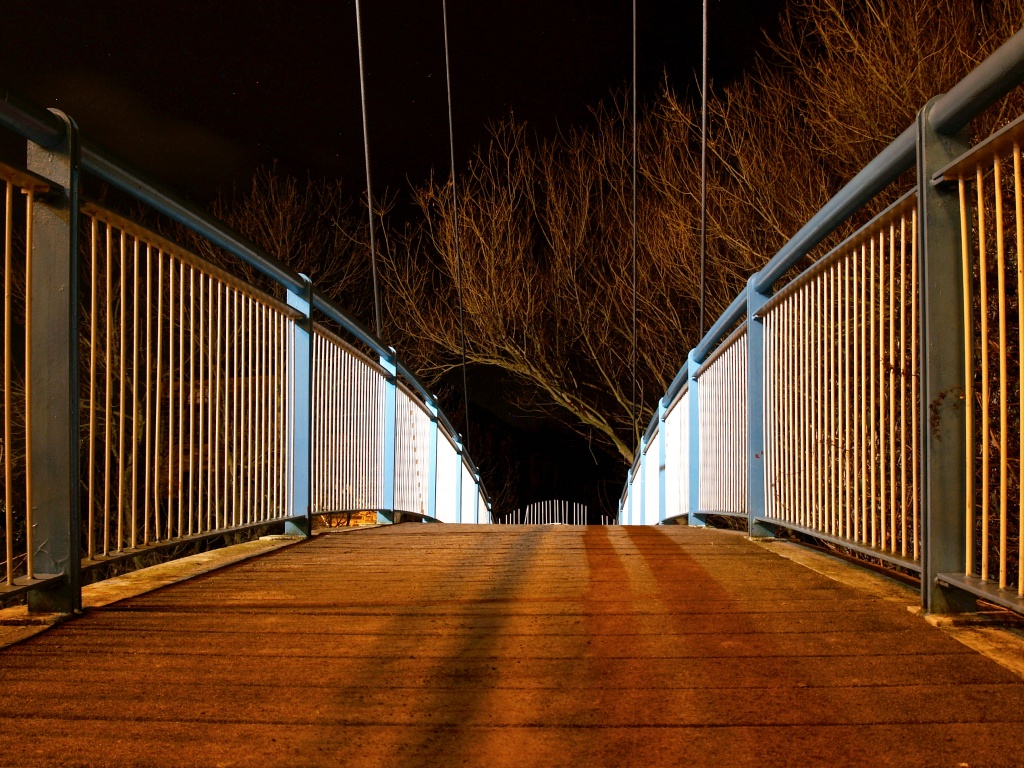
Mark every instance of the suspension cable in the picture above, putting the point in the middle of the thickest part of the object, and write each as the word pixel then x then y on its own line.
pixel 703 161
pixel 632 401
pixel 455 221
pixel 369 185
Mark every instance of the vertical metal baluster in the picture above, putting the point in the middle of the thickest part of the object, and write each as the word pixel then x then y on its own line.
pixel 170 397
pixel 880 353
pixel 236 345
pixel 121 397
pixel 792 420
pixel 93 310
pixel 30 569
pixel 352 427
pixel 250 416
pixel 202 485
pixel 282 422
pixel 823 399
pixel 147 392
pixel 219 514
pixel 997 188
pixel 1019 220
pixel 158 387
pixel 8 415
pixel 866 255
pixel 847 426
pixel 213 439
pixel 833 426
pixel 968 288
pixel 135 394
pixel 109 390
pixel 802 447
pixel 243 395
pixel 986 416
pixel 903 385
pixel 276 425
pixel 914 339
pixel 264 402
pixel 782 382
pixel 810 365
pixel 191 398
pixel 892 385
pixel 872 431
pixel 224 316
pixel 181 397
pixel 257 422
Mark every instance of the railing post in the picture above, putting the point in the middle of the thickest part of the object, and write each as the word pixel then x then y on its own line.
pixel 943 424
pixel 53 380
pixel 634 489
pixel 476 500
pixel 432 466
pixel 662 459
pixel 390 365
pixel 694 518
pixel 458 480
pixel 642 478
pixel 755 413
pixel 300 391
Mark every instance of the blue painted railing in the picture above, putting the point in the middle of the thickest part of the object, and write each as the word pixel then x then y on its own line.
pixel 167 400
pixel 855 403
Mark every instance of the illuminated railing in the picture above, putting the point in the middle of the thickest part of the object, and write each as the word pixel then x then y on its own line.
pixel 152 398
pixel 873 402
pixel 841 394
pixel 989 187
pixel 722 420
pixel 20 189
pixel 185 394
pixel 548 512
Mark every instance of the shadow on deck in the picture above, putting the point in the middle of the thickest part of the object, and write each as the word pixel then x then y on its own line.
pixel 436 645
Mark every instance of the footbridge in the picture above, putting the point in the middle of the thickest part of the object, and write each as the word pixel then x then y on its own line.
pixel 868 405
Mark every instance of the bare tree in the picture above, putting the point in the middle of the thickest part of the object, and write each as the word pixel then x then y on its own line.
pixel 547 224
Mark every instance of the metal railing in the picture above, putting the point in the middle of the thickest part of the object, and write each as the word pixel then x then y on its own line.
pixel 152 398
pixel 185 393
pixel 548 512
pixel 875 404
pixel 20 190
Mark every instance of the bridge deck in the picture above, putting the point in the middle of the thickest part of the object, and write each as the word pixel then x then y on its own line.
pixel 451 645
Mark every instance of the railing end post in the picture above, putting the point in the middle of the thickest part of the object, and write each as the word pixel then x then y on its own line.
pixel 54 530
pixel 300 388
pixel 944 455
pixel 694 518
pixel 756 459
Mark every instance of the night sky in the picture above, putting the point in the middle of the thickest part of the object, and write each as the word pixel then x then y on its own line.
pixel 198 93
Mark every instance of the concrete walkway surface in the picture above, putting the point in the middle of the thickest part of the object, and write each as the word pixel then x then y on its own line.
pixel 430 645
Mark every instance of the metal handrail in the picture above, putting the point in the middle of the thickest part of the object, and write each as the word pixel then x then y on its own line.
pixel 993 78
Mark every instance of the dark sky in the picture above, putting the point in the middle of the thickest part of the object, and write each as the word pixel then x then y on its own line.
pixel 199 93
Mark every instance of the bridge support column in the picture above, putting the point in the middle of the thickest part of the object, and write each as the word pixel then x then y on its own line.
pixel 458 481
pixel 943 423
pixel 662 460
pixel 476 499
pixel 756 490
pixel 300 391
pixel 432 465
pixel 695 518
pixel 389 364
pixel 53 380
